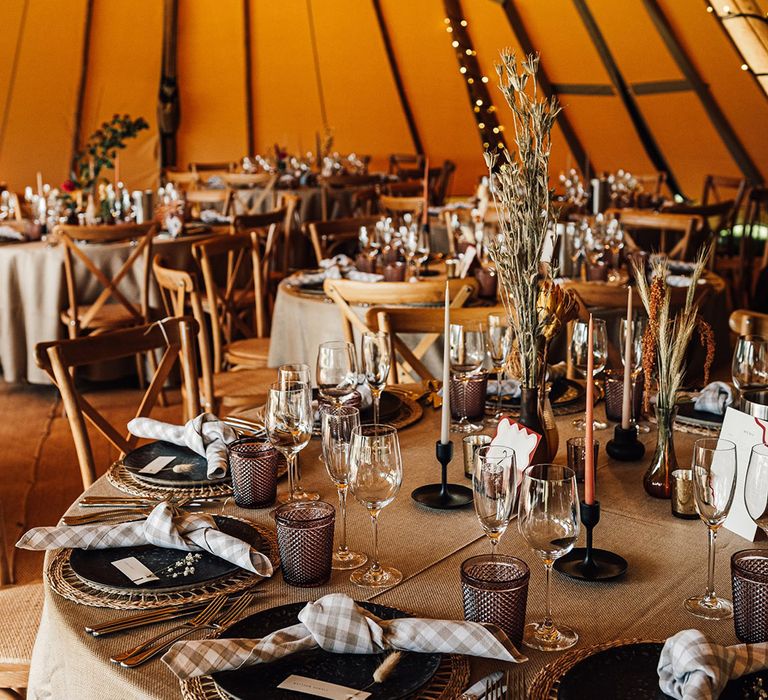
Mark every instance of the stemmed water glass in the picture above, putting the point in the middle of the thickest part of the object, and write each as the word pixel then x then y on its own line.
pixel 375 476
pixel 579 356
pixel 376 365
pixel 638 326
pixel 336 371
pixel 494 478
pixel 499 346
pixel 756 486
pixel 289 428
pixel 714 483
pixel 336 432
pixel 749 368
pixel 423 250
pixel 467 345
pixel 548 518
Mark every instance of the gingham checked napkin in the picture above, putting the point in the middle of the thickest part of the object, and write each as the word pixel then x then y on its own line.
pixel 165 527
pixel 204 434
pixel 714 398
pixel 336 624
pixel 509 387
pixel 334 269
pixel 693 668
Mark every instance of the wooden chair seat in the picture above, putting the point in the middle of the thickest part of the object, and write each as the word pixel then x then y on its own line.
pixel 108 316
pixel 248 352
pixel 243 387
pixel 21 608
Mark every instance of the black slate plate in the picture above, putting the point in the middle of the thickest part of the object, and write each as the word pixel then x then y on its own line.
pixel 564 392
pixel 94 566
pixel 350 670
pixel 139 458
pixel 389 408
pixel 629 673
pixel 686 413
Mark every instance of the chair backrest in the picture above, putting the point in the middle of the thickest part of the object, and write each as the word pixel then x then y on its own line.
pixel 328 236
pixel 746 322
pixel 70 236
pixel 173 336
pixel 410 161
pixel 271 229
pixel 685 224
pixel 719 188
pixel 182 179
pixel 250 191
pixel 428 322
pixel 652 183
pixel 397 206
pixel 223 166
pixel 443 183
pixel 365 201
pixel 345 292
pixel 218 200
pixel 227 294
pixel 407 188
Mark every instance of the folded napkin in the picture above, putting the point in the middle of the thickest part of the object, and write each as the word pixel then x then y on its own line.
pixel 333 272
pixel 165 527
pixel 211 216
pixel 714 398
pixel 11 234
pixel 205 434
pixel 509 387
pixel 336 624
pixel 693 668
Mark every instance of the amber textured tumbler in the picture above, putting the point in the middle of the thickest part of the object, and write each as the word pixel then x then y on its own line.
pixel 305 541
pixel 253 466
pixel 468 396
pixel 749 576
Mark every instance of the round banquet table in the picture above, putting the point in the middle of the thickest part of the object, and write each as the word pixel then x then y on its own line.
pixel 667 562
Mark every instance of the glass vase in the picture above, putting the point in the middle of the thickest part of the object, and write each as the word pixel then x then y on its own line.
pixel 532 417
pixel 658 479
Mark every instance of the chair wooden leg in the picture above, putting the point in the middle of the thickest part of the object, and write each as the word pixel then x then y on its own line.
pixel 162 400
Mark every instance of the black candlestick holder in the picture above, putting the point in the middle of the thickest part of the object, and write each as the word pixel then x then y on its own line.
pixel 443 496
pixel 625 447
pixel 588 563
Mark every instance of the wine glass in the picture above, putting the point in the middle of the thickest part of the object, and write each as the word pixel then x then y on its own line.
pixel 749 368
pixel 548 519
pixel 423 249
pixel 336 371
pixel 494 478
pixel 410 239
pixel 376 365
pixel 294 372
pixel 638 326
pixel 336 429
pixel 375 476
pixel 579 355
pixel 756 487
pixel 289 422
pixel 714 483
pixel 499 346
pixel 467 348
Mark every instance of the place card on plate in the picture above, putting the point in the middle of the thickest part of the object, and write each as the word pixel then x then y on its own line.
pixel 134 570
pixel 156 465
pixel 301 684
pixel 744 431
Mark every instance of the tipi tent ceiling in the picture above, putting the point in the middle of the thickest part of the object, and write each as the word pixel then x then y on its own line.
pixel 636 96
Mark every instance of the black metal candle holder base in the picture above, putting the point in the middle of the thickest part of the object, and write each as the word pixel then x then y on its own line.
pixel 443 496
pixel 588 563
pixel 625 447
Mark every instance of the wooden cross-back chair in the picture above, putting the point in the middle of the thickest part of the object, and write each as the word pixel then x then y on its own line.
pixel 365 201
pixel 746 322
pixel 101 315
pixel 182 179
pixel 713 219
pixel 180 292
pixel 250 191
pixel 405 162
pixel 328 236
pixel 406 188
pixel 234 298
pixel 332 184
pixel 396 207
pixel 224 166
pixel 218 200
pixel 174 337
pixel 722 188
pixel 426 322
pixel 442 182
pixel 684 224
pixel 652 183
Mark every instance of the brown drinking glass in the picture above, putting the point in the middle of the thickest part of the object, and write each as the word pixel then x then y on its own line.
pixel 749 576
pixel 468 396
pixel 305 541
pixel 253 466
pixel 614 395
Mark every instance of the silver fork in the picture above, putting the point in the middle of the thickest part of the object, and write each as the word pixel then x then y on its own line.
pixel 208 613
pixel 224 620
pixel 496 688
pixel 516 686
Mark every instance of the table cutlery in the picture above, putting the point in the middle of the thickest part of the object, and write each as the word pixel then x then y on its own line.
pixel 113 516
pixel 486 688
pixel 244 425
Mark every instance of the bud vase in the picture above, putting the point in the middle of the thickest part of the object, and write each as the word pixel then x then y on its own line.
pixel 532 417
pixel 658 479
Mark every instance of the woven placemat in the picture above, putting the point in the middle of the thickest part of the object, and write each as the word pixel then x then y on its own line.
pixel 64 581
pixel 448 682
pixel 546 683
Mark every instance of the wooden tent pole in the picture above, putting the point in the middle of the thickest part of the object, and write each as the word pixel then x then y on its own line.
pixel 250 141
pixel 168 106
pixel 82 85
pixel 642 129
pixel 524 39
pixel 316 60
pixel 404 103
pixel 711 107
pixel 14 71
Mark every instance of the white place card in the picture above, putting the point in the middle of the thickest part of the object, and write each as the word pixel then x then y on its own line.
pixel 156 465
pixel 134 570
pixel 744 431
pixel 300 684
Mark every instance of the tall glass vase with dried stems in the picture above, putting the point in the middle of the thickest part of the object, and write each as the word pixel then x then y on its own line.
pixel 665 345
pixel 536 307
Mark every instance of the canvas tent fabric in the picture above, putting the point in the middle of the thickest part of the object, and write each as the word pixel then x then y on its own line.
pixel 347 71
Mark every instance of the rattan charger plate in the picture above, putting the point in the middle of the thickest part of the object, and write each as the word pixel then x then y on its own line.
pixel 448 682
pixel 63 580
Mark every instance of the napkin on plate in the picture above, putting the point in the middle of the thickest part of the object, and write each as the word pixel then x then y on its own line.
pixel 714 398
pixel 165 527
pixel 337 624
pixel 509 387
pixel 6 232
pixel 205 434
pixel 693 668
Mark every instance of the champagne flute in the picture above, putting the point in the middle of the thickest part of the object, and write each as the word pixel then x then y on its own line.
pixel 289 428
pixel 548 519
pixel 638 326
pixel 494 478
pixel 467 348
pixel 579 356
pixel 714 483
pixel 499 346
pixel 376 365
pixel 336 371
pixel 749 367
pixel 756 487
pixel 337 430
pixel 375 476
pixel 423 250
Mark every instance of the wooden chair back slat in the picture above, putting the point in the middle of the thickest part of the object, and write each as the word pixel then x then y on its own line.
pixel 328 236
pixel 746 322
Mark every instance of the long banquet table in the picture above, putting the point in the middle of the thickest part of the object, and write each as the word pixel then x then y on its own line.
pixel 667 562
